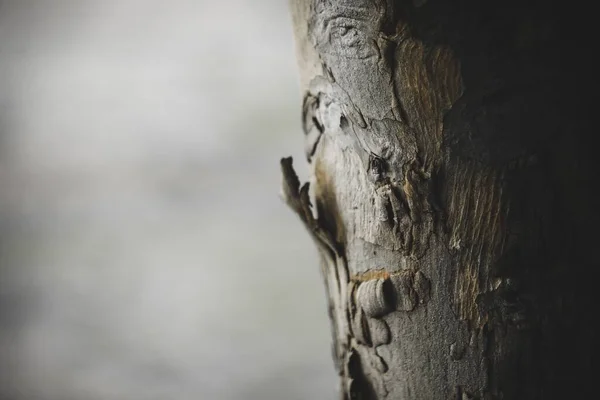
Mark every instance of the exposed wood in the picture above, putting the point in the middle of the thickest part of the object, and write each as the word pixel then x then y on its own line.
pixel 445 140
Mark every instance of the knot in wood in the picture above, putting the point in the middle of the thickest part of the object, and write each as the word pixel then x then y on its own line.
pixel 373 297
pixel 379 332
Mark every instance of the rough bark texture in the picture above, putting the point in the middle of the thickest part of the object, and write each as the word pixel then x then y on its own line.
pixel 451 183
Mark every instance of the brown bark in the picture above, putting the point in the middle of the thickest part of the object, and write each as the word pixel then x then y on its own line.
pixel 453 207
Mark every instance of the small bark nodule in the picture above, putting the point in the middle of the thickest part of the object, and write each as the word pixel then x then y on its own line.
pixel 451 172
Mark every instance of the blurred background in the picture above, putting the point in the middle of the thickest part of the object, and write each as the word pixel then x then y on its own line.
pixel 144 251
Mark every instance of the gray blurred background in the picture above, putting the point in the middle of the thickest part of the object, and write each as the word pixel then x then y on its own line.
pixel 144 251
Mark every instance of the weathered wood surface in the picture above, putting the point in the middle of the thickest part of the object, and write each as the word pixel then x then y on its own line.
pixel 453 202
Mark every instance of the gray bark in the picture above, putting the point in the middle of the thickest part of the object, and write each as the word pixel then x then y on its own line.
pixel 451 182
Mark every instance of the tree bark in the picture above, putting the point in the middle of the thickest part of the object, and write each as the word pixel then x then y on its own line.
pixel 451 176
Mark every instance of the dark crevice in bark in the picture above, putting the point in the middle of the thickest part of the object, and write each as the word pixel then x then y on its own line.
pixel 360 387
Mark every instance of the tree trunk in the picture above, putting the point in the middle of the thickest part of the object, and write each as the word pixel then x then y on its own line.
pixel 451 178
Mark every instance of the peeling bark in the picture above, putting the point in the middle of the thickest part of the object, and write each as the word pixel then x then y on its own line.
pixel 451 174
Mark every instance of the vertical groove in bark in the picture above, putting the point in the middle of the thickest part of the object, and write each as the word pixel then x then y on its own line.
pixel 438 135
